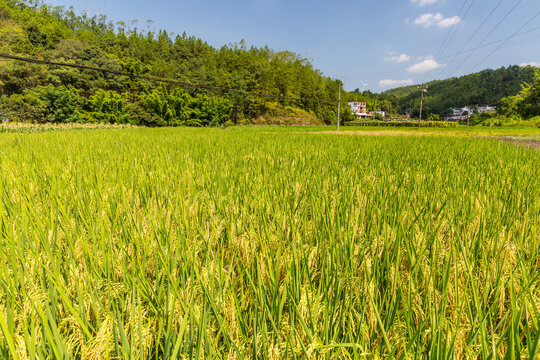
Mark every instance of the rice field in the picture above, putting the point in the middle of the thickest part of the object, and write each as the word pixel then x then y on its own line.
pixel 270 244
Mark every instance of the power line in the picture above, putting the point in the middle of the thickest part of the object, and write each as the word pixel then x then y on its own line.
pixel 439 53
pixel 502 20
pixel 512 36
pixel 476 32
pixel 458 27
pixel 157 79
pixel 466 51
pixel 453 34
pixel 492 31
pixel 507 45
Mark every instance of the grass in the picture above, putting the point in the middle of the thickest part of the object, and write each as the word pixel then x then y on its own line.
pixel 267 243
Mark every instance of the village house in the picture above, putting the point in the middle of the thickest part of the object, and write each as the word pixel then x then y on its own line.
pixel 469 110
pixel 461 114
pixel 482 109
pixel 358 108
pixel 460 111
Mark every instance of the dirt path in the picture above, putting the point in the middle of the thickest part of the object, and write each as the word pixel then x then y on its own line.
pixel 533 144
pixel 414 133
pixel 526 141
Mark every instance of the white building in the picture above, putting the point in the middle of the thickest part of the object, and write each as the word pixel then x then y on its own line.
pixel 358 108
pixel 461 111
pixel 470 110
pixel 482 109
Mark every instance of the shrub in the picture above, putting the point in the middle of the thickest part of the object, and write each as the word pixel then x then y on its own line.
pixel 212 111
pixel 433 117
pixel 60 105
pixel 378 117
pixel 170 106
pixel 511 121
pixel 347 115
pixel 108 107
pixel 22 108
pixel 139 114
pixel 44 104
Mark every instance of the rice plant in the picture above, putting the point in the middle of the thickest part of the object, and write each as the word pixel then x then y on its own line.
pixel 241 244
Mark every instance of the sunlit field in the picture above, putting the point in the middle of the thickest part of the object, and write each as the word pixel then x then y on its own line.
pixel 269 243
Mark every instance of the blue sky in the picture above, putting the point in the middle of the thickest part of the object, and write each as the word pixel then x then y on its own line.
pixel 374 45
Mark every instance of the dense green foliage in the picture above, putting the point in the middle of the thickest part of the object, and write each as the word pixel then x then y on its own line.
pixel 526 104
pixel 484 88
pixel 258 243
pixel 32 29
pixel 29 28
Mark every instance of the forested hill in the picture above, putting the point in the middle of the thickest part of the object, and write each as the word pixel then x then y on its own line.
pixel 37 93
pixel 41 93
pixel 484 88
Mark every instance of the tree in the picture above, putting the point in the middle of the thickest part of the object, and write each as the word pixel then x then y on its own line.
pixel 346 115
pixel 170 106
pixel 36 36
pixel 211 111
pixel 433 117
pixel 28 27
pixel 109 107
pixel 60 105
pixel 22 108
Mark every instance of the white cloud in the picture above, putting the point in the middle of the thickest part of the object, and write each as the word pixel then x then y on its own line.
pixel 423 2
pixel 426 65
pixel 444 23
pixel 534 63
pixel 394 83
pixel 428 20
pixel 399 58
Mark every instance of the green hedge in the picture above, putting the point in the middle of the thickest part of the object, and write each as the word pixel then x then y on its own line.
pixel 513 121
pixel 441 124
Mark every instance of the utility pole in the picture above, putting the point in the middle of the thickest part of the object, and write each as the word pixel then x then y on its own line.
pixel 422 91
pixel 338 105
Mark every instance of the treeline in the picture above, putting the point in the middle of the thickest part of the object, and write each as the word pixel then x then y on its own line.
pixel 159 107
pixel 54 94
pixel 487 87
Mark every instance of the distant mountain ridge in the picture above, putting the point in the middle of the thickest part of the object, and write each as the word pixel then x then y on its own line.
pixel 487 87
